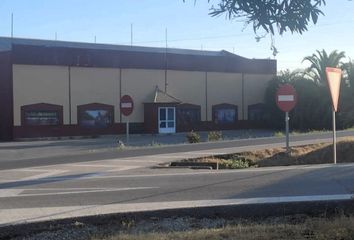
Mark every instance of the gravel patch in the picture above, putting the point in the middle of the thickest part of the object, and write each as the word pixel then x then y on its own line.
pixel 77 231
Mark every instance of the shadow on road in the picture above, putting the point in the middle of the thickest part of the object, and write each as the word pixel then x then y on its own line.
pixel 45 180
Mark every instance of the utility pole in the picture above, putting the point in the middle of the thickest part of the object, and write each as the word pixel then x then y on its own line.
pixel 12 25
pixel 166 39
pixel 131 35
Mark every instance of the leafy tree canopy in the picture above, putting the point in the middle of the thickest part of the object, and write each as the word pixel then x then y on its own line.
pixel 314 108
pixel 349 73
pixel 271 15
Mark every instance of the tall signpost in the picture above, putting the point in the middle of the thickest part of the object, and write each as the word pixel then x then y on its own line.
pixel 334 76
pixel 286 99
pixel 126 108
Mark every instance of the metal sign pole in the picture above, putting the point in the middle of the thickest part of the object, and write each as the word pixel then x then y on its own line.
pixel 127 130
pixel 334 76
pixel 334 138
pixel 287 131
pixel 126 108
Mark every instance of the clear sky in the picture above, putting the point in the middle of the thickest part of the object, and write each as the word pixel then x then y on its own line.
pixel 189 26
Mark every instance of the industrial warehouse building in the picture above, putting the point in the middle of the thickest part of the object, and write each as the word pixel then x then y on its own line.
pixel 55 88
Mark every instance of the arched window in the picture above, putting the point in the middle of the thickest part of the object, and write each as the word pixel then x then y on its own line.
pixel 41 114
pixel 225 113
pixel 95 115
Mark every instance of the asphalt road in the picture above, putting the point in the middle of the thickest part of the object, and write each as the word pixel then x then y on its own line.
pixel 252 143
pixel 167 185
pixel 107 182
pixel 61 192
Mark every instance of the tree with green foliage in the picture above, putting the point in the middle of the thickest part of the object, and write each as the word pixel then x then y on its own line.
pixel 346 103
pixel 273 116
pixel 319 61
pixel 312 112
pixel 271 15
pixel 313 109
pixel 349 73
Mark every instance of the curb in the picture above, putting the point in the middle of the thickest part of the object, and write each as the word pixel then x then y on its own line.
pixel 244 211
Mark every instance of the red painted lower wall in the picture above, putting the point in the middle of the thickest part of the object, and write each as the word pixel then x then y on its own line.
pixel 6 96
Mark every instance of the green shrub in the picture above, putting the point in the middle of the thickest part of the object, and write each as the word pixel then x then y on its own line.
pixel 236 163
pixel 193 137
pixel 279 134
pixel 214 136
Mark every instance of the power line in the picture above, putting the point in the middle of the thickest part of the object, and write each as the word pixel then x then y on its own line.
pixel 194 39
pixel 225 36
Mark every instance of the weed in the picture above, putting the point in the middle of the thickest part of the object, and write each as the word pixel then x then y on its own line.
pixel 279 134
pixel 236 162
pixel 128 224
pixel 155 144
pixel 193 137
pixel 303 229
pixel 215 136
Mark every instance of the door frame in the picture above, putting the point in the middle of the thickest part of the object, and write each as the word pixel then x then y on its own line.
pixel 166 130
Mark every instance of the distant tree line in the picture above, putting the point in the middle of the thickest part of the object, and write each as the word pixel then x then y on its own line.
pixel 314 107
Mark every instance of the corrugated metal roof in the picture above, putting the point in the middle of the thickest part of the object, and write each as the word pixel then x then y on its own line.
pixel 6 45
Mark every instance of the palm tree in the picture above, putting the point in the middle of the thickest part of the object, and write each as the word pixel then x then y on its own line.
pixel 319 61
pixel 288 76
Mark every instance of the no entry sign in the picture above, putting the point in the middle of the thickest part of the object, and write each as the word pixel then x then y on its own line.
pixel 286 97
pixel 126 105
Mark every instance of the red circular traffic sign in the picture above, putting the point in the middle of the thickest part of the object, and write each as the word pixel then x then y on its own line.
pixel 126 105
pixel 286 97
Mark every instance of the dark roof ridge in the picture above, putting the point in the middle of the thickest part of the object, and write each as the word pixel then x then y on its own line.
pixel 7 42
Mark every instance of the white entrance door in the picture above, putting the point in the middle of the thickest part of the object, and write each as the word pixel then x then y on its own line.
pixel 167 120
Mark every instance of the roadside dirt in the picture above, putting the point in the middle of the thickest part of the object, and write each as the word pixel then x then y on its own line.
pixel 301 155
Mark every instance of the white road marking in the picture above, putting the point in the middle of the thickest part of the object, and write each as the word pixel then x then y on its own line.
pixel 142 159
pixel 10 192
pixel 26 215
pixel 89 165
pixel 65 191
pixel 186 155
pixel 47 174
pixel 123 168
pixel 112 168
pixel 24 170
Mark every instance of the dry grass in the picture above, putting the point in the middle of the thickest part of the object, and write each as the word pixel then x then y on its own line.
pixel 317 228
pixel 309 154
pixel 301 155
